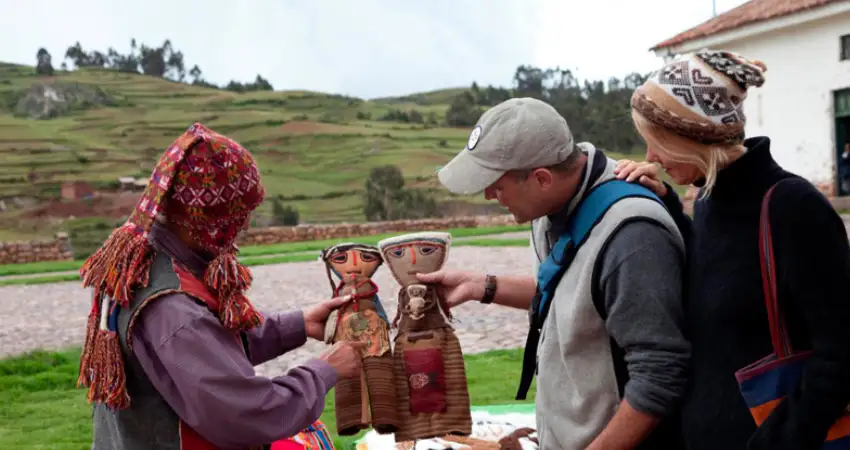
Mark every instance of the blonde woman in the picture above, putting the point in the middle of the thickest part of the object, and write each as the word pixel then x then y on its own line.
pixel 690 115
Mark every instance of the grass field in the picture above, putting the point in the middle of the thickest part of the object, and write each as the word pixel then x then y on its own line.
pixel 40 408
pixel 314 149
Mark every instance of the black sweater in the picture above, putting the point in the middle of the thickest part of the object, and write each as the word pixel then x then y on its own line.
pixel 727 320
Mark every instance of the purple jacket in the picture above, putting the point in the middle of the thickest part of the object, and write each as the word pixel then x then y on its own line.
pixel 204 375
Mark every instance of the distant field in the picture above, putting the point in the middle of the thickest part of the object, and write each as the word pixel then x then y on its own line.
pixel 314 149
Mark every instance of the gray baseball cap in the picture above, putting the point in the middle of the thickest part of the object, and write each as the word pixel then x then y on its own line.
pixel 517 134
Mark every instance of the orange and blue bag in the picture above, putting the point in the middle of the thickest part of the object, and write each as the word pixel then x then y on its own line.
pixel 314 437
pixel 765 383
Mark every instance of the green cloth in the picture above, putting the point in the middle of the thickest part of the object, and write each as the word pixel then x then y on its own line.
pixel 515 408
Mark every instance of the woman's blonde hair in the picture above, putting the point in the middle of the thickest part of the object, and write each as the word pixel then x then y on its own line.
pixel 709 159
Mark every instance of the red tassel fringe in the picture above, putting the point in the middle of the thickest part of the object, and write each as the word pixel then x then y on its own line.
pixel 119 266
pixel 88 348
pixel 228 279
pixel 114 379
pixel 102 371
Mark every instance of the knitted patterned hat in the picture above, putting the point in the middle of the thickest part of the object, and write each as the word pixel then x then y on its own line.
pixel 700 95
pixel 209 185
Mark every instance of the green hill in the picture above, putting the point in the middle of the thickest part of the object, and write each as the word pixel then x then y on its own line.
pixel 314 149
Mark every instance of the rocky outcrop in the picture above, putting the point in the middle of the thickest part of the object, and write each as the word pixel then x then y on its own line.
pixel 49 100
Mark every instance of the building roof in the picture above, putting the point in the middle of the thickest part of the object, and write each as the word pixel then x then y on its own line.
pixel 751 12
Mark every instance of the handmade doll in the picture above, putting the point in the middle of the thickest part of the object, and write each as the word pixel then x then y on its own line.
pixel 433 399
pixel 370 398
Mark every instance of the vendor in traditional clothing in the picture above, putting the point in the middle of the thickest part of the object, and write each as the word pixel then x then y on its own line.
pixel 172 340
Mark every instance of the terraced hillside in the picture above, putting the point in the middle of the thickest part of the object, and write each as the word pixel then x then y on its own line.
pixel 314 149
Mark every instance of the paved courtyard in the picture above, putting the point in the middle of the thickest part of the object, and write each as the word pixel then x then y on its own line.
pixel 52 316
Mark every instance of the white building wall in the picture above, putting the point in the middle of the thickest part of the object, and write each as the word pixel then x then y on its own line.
pixel 795 105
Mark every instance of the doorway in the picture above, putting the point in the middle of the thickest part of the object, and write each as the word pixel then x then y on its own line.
pixel 842 139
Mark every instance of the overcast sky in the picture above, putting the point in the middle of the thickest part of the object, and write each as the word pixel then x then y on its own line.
pixel 366 48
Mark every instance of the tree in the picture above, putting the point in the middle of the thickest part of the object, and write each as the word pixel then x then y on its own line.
pixel 414 116
pixel 164 61
pixel 463 112
pixel 198 78
pixel 262 84
pixel 418 204
pixel 128 63
pixel 384 188
pixel 387 199
pixel 44 65
pixel 259 84
pixel 595 110
pixel 195 73
pixel 81 58
pixel 284 214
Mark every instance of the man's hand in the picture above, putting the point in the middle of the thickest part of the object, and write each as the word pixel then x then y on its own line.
pixel 316 316
pixel 458 287
pixel 344 357
pixel 626 430
pixel 645 173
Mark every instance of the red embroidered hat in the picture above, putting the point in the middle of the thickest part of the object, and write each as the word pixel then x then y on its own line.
pixel 204 182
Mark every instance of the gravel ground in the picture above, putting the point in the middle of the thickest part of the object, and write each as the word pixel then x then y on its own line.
pixel 52 316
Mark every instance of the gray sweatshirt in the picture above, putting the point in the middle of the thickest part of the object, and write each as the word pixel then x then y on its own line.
pixel 615 327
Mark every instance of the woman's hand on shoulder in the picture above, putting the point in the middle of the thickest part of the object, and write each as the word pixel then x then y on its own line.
pixel 643 172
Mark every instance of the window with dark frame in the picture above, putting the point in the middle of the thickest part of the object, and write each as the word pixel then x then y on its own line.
pixel 845 47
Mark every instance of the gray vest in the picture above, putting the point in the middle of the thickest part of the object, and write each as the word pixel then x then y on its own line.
pixel 149 423
pixel 577 389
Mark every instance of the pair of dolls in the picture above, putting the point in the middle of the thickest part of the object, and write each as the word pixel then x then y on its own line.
pixel 417 388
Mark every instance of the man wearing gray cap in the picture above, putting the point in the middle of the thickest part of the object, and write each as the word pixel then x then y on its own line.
pixel 606 335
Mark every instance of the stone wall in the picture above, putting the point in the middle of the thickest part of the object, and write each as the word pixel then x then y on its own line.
pixel 58 249
pixel 275 235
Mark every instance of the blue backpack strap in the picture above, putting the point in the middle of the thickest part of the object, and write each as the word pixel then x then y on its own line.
pixel 588 213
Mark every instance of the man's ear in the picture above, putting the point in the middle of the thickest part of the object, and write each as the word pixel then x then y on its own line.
pixel 543 177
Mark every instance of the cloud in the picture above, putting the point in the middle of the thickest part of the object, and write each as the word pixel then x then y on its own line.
pixel 367 48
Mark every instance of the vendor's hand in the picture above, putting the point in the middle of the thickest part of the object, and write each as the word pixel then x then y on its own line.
pixel 344 357
pixel 458 287
pixel 316 316
pixel 645 173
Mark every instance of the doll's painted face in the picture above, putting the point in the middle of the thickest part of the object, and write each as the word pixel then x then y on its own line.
pixel 353 262
pixel 409 254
